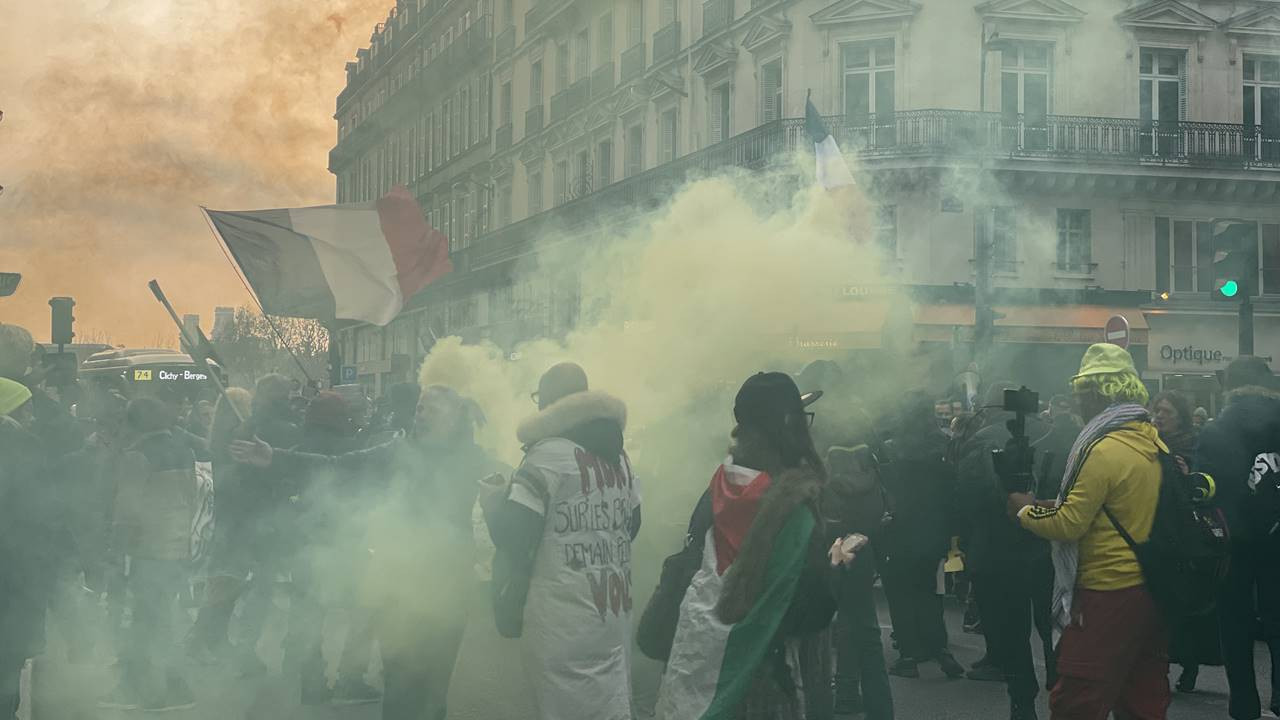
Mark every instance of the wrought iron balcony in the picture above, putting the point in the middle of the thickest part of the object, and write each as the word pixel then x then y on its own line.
pixel 666 42
pixel 505 43
pixel 541 12
pixel 632 62
pixel 475 41
pixel 533 120
pixel 602 80
pixel 1054 137
pixel 502 138
pixel 716 16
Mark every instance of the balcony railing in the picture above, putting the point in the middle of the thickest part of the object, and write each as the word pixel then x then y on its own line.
pixel 570 100
pixel 505 43
pixel 913 133
pixel 632 62
pixel 716 16
pixel 1060 137
pixel 533 120
pixel 541 12
pixel 502 138
pixel 602 80
pixel 666 42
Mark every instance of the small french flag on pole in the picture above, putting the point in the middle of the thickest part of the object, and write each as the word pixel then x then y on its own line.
pixel 832 170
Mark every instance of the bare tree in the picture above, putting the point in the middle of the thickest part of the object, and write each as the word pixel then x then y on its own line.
pixel 251 348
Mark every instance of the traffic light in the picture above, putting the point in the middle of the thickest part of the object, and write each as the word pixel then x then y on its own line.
pixel 1235 260
pixel 61 332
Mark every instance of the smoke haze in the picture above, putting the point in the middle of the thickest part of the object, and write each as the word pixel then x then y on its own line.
pixel 122 116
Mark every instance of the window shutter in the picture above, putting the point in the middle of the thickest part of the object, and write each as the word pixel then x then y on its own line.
pixel 717 129
pixel 1182 88
pixel 669 136
pixel 769 81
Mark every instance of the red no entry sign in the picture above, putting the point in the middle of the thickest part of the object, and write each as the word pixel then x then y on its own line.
pixel 1116 331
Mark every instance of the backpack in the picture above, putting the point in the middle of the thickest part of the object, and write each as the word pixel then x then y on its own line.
pixel 1185 558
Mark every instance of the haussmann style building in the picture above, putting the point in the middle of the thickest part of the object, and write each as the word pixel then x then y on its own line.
pixel 1094 145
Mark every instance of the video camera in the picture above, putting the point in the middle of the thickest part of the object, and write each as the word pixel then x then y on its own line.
pixel 1015 463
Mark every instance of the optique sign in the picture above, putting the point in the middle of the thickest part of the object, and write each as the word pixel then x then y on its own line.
pixel 1191 354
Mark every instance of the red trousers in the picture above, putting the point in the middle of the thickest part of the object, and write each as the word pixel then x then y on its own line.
pixel 1113 657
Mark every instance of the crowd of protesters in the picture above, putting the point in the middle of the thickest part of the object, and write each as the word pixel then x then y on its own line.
pixel 769 609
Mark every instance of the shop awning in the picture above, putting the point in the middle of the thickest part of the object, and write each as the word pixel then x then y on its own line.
pixel 847 326
pixel 1069 324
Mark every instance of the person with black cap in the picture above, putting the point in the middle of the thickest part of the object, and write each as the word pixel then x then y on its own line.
pixel 1241 451
pixel 764 585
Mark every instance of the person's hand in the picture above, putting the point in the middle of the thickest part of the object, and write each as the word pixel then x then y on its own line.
pixel 1182 464
pixel 845 549
pixel 1017 501
pixel 254 452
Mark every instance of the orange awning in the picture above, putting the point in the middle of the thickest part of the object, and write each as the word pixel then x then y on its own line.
pixel 1075 324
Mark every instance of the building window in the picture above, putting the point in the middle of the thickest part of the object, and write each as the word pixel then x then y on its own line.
pixel 562 66
pixel 604 40
pixel 1270 259
pixel 464 104
pixel 668 147
pixel 446 133
pixel 668 12
pixel 771 91
pixel 1162 98
pixel 604 162
pixel 635 151
pixel 1262 104
pixel 719 103
pixel 535 192
pixel 504 104
pixel 582 174
pixel 1024 94
pixel 455 142
pixel 504 206
pixel 582 52
pixel 1075 240
pixel 1184 255
pixel 998 226
pixel 868 78
pixel 560 182
pixel 635 23
pixel 535 84
pixel 886 229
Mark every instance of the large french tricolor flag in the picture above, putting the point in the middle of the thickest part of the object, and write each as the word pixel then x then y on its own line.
pixel 833 171
pixel 357 261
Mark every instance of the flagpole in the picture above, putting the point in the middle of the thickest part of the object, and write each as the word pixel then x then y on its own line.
pixel 243 281
pixel 195 349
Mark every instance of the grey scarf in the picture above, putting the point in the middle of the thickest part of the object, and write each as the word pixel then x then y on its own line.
pixel 1066 555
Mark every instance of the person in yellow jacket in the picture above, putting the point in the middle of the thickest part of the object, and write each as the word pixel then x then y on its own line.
pixel 1113 655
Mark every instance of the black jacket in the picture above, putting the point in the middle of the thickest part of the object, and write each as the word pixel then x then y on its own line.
pixel 1052 451
pixel 992 542
pixel 922 486
pixel 1240 450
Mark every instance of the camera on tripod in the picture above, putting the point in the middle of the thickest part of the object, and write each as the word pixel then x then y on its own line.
pixel 1015 463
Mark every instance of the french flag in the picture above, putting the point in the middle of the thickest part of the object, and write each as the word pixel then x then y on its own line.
pixel 832 170
pixel 356 261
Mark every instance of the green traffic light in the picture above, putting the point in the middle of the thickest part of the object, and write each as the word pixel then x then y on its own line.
pixel 1230 288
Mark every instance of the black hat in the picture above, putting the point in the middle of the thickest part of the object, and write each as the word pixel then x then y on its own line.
pixel 767 397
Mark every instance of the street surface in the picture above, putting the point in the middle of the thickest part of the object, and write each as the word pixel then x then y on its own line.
pixel 488 685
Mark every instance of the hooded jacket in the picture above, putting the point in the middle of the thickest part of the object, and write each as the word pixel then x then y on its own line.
pixel 571 514
pixel 1241 451
pixel 1121 472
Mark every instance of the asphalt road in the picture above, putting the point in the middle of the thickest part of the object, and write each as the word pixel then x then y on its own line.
pixel 488 685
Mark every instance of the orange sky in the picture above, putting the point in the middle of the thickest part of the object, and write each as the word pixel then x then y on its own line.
pixel 122 116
